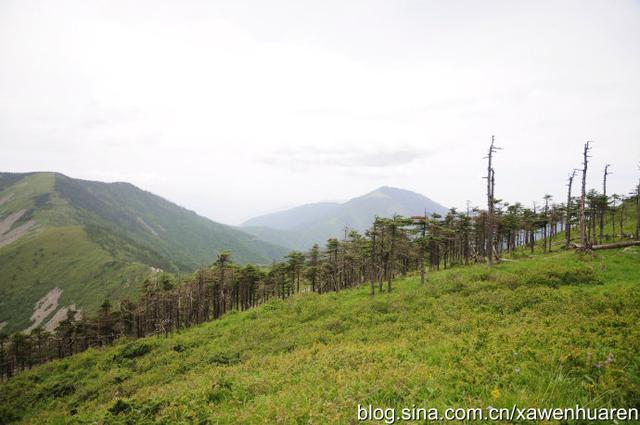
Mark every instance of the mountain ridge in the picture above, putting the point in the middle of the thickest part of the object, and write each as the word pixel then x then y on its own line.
pixel 93 240
pixel 304 225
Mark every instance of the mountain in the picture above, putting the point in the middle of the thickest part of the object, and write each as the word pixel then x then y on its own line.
pixel 68 242
pixel 293 217
pixel 301 227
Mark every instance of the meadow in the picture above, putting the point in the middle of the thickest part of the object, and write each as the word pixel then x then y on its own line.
pixel 550 330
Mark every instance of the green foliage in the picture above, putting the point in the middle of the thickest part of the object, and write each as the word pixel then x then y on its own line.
pixel 66 258
pixel 96 240
pixel 552 330
pixel 133 350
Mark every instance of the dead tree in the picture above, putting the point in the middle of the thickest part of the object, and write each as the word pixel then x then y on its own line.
pixel 490 201
pixel 583 195
pixel 545 230
pixel 603 207
pixel 568 211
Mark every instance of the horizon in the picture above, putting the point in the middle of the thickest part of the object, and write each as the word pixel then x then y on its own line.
pixel 285 208
pixel 239 109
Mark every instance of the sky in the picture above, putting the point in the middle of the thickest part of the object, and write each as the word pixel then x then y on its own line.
pixel 238 108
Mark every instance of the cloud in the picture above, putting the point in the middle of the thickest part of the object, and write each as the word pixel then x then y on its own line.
pixel 303 157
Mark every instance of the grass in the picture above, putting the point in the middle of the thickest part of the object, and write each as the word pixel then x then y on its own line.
pixel 97 240
pixel 536 332
pixel 61 257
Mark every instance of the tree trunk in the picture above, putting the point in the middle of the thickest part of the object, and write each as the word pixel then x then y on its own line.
pixel 583 227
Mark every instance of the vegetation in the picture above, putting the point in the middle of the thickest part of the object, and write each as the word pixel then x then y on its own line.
pixel 391 247
pixel 536 309
pixel 97 240
pixel 551 330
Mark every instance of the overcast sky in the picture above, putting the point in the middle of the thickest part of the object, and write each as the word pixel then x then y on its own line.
pixel 235 108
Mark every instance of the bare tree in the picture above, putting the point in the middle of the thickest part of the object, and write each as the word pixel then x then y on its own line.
pixel 568 210
pixel 583 195
pixel 603 206
pixel 490 201
pixel 545 232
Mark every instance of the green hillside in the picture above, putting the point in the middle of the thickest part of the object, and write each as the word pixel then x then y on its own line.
pixel 546 331
pixel 91 240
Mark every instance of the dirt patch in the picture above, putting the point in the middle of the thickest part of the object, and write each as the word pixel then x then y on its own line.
pixel 5 199
pixel 44 307
pixel 8 235
pixel 60 315
pixel 146 226
pixel 7 222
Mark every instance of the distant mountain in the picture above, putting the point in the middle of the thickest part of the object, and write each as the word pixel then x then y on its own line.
pixel 65 242
pixel 291 218
pixel 300 227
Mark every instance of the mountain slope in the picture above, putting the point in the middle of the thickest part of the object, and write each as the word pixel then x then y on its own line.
pixel 293 217
pixel 65 241
pixel 553 331
pixel 301 227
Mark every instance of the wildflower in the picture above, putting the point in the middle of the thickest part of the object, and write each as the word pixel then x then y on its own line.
pixel 495 393
pixel 517 369
pixel 609 358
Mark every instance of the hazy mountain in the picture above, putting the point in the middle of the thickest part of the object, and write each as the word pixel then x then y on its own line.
pixel 65 241
pixel 291 218
pixel 301 227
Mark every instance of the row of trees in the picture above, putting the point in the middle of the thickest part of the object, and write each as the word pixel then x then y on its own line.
pixel 390 247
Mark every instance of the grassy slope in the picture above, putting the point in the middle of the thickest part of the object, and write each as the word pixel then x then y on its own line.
pixel 529 332
pixel 61 257
pixel 182 236
pixel 58 252
pixel 89 240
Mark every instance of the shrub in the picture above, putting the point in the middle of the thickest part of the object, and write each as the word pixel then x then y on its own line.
pixel 224 358
pixel 554 276
pixel 131 351
pixel 120 406
pixel 220 390
pixel 59 389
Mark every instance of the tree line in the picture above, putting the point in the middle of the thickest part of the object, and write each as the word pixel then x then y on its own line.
pixel 391 247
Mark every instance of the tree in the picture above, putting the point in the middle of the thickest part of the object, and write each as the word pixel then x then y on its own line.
pixel 546 222
pixel 5 367
pixel 313 268
pixel 105 323
pixel 295 261
pixel 421 224
pixel 604 200
pixel 490 201
pixel 567 225
pixel 224 257
pixel 583 224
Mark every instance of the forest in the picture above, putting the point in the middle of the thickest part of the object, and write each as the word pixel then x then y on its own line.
pixel 392 247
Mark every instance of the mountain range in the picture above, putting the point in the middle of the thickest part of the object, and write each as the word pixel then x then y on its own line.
pixel 67 243
pixel 301 227
pixel 70 243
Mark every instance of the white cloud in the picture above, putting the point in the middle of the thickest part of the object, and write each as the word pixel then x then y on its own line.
pixel 215 104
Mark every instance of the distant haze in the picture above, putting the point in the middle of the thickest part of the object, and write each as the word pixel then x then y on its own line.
pixel 239 108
